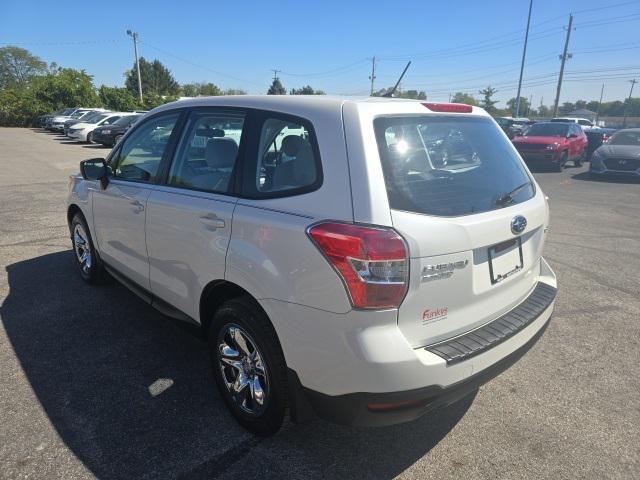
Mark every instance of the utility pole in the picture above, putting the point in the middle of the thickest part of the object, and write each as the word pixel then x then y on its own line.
pixel 563 59
pixel 524 53
pixel 373 73
pixel 530 104
pixel 624 121
pixel 599 103
pixel 134 35
pixel 275 74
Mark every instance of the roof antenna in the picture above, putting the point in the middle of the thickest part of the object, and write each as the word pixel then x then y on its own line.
pixel 390 93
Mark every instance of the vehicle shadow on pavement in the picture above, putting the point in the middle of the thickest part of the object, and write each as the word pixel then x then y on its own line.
pixel 131 394
pixel 585 176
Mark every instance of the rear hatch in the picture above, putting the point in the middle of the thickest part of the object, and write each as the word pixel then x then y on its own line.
pixel 471 215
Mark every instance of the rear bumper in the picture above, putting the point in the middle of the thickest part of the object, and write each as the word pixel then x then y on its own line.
pixel 432 376
pixel 541 157
pixel 382 409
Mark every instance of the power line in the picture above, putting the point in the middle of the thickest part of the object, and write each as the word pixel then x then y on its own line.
pixel 200 66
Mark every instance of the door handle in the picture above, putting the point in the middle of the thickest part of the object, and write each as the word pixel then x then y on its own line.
pixel 138 206
pixel 212 222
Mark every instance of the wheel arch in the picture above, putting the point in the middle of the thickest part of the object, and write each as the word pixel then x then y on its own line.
pixel 72 210
pixel 215 293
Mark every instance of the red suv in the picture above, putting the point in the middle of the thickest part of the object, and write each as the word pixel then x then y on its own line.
pixel 552 144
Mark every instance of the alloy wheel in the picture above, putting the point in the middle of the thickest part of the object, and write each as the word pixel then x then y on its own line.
pixel 82 248
pixel 243 370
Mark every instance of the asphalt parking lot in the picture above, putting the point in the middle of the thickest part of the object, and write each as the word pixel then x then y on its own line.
pixel 97 384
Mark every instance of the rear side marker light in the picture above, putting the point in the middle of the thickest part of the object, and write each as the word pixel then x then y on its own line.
pixel 371 261
pixel 449 107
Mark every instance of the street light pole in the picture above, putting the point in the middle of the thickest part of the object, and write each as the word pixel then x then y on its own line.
pixel 134 35
pixel 524 54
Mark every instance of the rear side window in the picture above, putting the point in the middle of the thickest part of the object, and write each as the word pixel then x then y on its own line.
pixel 208 152
pixel 449 166
pixel 287 161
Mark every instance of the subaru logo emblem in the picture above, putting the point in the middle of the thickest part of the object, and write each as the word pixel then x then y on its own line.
pixel 518 224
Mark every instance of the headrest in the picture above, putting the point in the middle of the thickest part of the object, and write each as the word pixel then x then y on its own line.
pixel 221 153
pixel 291 144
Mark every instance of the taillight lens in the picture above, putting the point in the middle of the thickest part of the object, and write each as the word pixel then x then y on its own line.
pixel 371 261
pixel 449 107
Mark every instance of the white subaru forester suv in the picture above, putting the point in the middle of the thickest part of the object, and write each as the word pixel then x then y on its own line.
pixel 363 261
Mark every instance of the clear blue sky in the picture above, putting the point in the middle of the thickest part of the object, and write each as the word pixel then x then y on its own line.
pixel 455 45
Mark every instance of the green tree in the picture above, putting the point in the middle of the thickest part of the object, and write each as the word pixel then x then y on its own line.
pixel 156 78
pixel 461 97
pixel 276 88
pixel 200 89
pixel 544 111
pixel 524 105
pixel 66 88
pixel 566 107
pixel 18 67
pixel 119 99
pixel 234 91
pixel 487 101
pixel 415 94
pixel 306 90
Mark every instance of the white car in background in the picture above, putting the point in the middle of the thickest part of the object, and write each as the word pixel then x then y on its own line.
pixel 365 261
pixel 82 131
pixel 585 123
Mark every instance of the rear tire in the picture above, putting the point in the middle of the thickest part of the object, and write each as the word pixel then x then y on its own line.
pixel 248 365
pixel 86 257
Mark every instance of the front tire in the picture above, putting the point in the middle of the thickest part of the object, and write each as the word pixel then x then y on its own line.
pixel 248 365
pixel 117 140
pixel 89 136
pixel 86 257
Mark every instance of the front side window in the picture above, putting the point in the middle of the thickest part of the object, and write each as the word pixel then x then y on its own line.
pixel 110 120
pixel 208 152
pixel 141 153
pixel 449 166
pixel 287 159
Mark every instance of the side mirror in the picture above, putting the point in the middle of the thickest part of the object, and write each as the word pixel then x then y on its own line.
pixel 95 169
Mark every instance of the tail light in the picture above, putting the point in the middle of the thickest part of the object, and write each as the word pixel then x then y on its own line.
pixel 371 261
pixel 605 137
pixel 449 107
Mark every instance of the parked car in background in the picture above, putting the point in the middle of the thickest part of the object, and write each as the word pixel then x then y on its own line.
pixel 585 123
pixel 83 132
pixel 58 122
pixel 64 113
pixel 368 288
pixel 83 118
pixel 620 156
pixel 513 126
pixel 596 137
pixel 109 135
pixel 552 144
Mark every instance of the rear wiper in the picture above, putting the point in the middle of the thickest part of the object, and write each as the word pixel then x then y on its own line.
pixel 507 198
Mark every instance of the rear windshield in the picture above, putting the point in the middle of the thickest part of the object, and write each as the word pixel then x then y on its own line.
pixel 548 130
pixel 449 166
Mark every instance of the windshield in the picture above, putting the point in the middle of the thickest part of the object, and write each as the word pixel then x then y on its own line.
pixel 449 166
pixel 128 120
pixel 97 118
pixel 625 138
pixel 79 114
pixel 67 111
pixel 548 130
